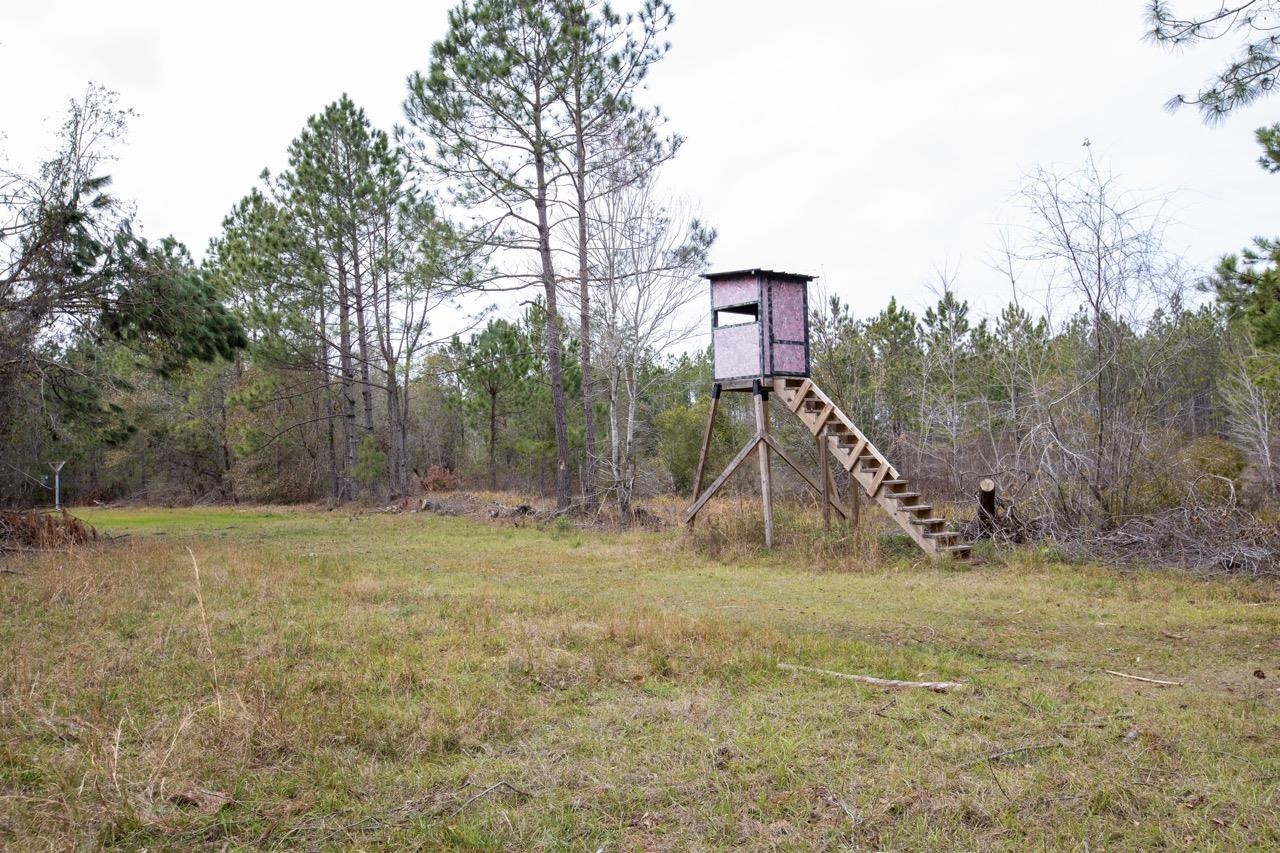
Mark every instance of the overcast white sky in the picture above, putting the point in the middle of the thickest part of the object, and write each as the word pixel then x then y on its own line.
pixel 869 143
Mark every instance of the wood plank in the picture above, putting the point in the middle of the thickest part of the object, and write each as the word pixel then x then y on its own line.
pixel 692 511
pixel 879 478
pixel 798 400
pixel 823 417
pixel 855 503
pixel 766 479
pixel 868 469
pixel 824 474
pixel 858 450
pixel 706 445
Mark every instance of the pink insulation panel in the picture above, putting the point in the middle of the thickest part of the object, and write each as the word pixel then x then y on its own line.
pixel 786 334
pixel 789 358
pixel 787 300
pixel 737 351
pixel 733 291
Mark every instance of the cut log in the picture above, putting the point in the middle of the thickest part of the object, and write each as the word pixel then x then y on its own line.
pixel 987 508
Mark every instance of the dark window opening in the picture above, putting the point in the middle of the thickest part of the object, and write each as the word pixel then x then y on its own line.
pixel 738 315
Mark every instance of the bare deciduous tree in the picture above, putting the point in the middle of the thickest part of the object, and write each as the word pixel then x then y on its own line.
pixel 647 255
pixel 1106 245
pixel 1252 405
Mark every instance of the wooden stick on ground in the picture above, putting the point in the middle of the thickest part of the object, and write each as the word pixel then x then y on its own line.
pixel 935 686
pixel 1145 680
pixel 489 790
pixel 996 756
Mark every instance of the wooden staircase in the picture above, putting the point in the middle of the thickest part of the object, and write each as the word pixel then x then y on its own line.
pixel 867 465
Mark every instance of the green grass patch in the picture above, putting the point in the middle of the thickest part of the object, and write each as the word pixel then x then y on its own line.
pixel 347 681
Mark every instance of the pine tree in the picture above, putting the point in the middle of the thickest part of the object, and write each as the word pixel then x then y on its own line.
pixel 613 143
pixel 492 369
pixel 488 105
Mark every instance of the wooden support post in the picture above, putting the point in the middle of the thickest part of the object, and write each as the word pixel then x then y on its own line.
pixel 824 474
pixel 855 504
pixel 706 443
pixel 987 508
pixel 766 481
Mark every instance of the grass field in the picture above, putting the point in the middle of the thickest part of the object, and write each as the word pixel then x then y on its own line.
pixel 406 681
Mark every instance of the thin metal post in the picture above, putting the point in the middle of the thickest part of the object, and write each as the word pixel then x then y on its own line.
pixel 57 483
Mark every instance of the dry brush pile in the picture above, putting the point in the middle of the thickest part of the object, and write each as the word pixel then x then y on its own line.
pixel 36 530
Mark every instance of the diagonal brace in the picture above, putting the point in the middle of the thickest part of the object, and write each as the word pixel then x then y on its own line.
pixel 795 466
pixel 751 444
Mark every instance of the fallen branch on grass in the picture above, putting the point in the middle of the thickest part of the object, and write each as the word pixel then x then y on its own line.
pixel 935 686
pixel 1145 680
pixel 489 790
pixel 996 756
pixel 831 799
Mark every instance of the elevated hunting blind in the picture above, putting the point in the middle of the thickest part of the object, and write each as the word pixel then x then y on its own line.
pixel 759 326
pixel 760 343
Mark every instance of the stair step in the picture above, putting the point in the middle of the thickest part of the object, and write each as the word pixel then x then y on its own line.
pixel 956 549
pixel 918 507
pixel 896 483
pixel 940 534
pixel 867 457
pixel 903 495
pixel 924 522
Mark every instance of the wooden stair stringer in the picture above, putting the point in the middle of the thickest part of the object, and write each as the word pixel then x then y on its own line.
pixel 877 476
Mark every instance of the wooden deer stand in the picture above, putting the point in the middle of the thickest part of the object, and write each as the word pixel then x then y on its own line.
pixel 760 343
